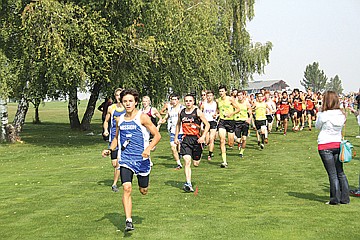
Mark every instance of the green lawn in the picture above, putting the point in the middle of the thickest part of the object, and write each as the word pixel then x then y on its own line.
pixel 56 185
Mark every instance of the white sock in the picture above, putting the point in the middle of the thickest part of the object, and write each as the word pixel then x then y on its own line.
pixel 129 219
pixel 178 162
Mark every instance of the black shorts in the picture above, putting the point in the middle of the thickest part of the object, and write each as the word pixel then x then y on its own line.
pixel 213 124
pixel 298 113
pixel 241 129
pixel 114 154
pixel 270 118
pixel 291 112
pixel 126 175
pixel 190 146
pixel 259 123
pixel 228 125
pixel 310 112
pixel 284 116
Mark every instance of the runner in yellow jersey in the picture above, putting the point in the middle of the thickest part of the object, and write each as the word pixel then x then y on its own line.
pixel 260 108
pixel 242 121
pixel 227 109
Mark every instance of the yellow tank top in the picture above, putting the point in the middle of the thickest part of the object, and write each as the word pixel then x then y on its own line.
pixel 225 107
pixel 243 114
pixel 260 110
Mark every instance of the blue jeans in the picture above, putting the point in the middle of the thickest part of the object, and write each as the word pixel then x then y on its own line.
pixel 339 187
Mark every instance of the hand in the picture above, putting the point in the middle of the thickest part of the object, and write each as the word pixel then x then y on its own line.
pixel 106 133
pixel 201 140
pixel 105 153
pixel 146 153
pixel 176 141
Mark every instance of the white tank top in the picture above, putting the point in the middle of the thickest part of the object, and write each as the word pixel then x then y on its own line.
pixel 173 118
pixel 209 110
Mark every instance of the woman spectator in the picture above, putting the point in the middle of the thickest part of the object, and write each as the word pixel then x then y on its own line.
pixel 330 121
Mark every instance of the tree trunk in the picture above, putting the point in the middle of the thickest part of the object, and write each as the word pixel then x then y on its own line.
pixel 20 115
pixel 37 117
pixel 3 119
pixel 73 109
pixel 85 122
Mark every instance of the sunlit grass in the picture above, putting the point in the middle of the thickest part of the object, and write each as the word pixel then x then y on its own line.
pixel 57 186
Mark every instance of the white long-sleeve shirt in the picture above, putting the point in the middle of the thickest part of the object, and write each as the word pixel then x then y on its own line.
pixel 330 124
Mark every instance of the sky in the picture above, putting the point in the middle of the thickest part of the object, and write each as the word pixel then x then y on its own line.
pixel 306 31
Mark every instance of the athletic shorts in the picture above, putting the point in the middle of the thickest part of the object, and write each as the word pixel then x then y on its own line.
pixel 190 146
pixel 241 129
pixel 228 125
pixel 139 167
pixel 284 116
pixel 114 155
pixel 213 125
pixel 172 137
pixel 270 118
pixel 298 113
pixel 126 175
pixel 259 124
pixel 291 112
pixel 310 112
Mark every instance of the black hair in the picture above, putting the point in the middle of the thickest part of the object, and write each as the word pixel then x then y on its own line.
pixel 222 87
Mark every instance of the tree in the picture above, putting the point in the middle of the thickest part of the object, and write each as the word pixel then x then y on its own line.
pixel 314 78
pixel 335 84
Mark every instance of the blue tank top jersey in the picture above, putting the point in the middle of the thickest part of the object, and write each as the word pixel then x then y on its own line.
pixel 133 139
pixel 115 112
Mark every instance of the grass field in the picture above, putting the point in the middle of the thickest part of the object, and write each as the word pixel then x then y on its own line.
pixel 56 185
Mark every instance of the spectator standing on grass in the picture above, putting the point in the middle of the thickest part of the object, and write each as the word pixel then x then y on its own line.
pixel 330 121
pixel 357 100
pixel 132 138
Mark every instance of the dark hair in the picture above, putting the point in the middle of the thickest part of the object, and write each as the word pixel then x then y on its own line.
pixel 222 87
pixel 330 101
pixel 284 92
pixel 175 95
pixel 130 91
pixel 210 91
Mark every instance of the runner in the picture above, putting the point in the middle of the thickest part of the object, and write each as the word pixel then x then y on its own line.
pixel 260 108
pixel 284 107
pixel 227 108
pixel 132 135
pixel 297 109
pixel 113 112
pixel 242 121
pixel 190 120
pixel 270 111
pixel 209 108
pixel 310 107
pixel 172 116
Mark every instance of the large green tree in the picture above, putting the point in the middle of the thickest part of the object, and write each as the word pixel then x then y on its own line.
pixel 335 84
pixel 314 78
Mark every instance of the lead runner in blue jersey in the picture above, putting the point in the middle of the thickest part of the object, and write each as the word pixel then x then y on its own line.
pixel 132 139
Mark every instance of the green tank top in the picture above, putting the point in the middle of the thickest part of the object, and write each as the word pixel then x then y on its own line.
pixel 243 114
pixel 225 107
pixel 260 110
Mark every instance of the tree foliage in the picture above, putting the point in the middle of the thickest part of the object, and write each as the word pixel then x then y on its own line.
pixel 335 84
pixel 314 78
pixel 157 47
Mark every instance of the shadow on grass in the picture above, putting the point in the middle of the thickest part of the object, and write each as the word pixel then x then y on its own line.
pixel 115 219
pixel 51 134
pixel 175 184
pixel 309 196
pixel 107 182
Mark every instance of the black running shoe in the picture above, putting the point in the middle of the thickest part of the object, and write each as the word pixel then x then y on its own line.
pixel 129 226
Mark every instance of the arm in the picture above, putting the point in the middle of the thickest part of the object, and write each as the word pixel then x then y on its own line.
pixel 106 123
pixel 114 142
pixel 146 122
pixel 177 130
pixel 163 110
pixel 250 113
pixel 158 115
pixel 236 106
pixel 206 128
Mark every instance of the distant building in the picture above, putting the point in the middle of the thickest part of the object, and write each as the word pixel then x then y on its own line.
pixel 270 85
